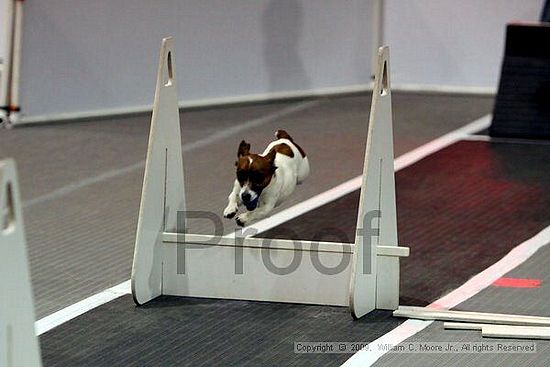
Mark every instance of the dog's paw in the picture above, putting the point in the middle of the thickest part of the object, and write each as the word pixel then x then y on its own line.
pixel 242 219
pixel 230 211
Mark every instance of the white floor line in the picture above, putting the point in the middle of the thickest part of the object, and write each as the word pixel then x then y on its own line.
pixel 220 135
pixel 507 140
pixel 405 160
pixel 57 318
pixel 514 258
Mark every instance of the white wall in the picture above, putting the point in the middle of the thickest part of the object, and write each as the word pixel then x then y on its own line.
pixel 94 55
pixel 450 42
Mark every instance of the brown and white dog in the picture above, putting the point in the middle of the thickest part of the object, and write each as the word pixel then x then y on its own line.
pixel 265 180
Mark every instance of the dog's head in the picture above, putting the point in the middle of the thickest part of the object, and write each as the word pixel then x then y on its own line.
pixel 254 173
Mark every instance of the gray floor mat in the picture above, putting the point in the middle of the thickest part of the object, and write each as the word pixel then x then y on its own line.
pixel 176 331
pixel 180 331
pixel 81 240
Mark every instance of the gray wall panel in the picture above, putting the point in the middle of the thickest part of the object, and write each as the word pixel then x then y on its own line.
pixel 96 55
pixel 449 42
pixel 81 56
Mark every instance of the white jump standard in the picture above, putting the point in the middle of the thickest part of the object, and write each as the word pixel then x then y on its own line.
pixel 18 342
pixel 238 267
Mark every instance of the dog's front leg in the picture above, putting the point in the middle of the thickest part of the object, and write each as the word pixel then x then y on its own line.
pixel 260 212
pixel 234 201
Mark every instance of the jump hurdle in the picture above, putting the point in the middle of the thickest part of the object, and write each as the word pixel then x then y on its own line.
pixel 18 343
pixel 170 261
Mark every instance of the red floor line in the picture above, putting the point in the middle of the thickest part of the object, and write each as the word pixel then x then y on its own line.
pixel 517 283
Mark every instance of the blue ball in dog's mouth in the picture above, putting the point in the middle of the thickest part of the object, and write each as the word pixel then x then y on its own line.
pixel 252 204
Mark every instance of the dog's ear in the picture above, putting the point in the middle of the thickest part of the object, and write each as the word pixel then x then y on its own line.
pixel 244 149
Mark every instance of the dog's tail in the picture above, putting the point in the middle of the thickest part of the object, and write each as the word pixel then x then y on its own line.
pixel 282 134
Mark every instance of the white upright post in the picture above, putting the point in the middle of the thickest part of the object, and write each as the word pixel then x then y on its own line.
pixel 5 77
pixel 163 192
pixel 14 106
pixel 18 343
pixel 375 277
pixel 377 32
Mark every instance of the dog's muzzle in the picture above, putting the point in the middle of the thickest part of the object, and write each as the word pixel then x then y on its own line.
pixel 252 204
pixel 249 200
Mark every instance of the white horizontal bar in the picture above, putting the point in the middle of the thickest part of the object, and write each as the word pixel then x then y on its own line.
pixel 515 332
pixel 502 331
pixel 463 326
pixel 279 244
pixel 424 313
pixel 395 251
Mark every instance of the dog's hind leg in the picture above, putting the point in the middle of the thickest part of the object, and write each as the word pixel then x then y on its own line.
pixel 303 171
